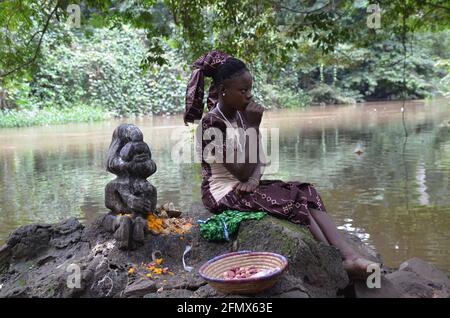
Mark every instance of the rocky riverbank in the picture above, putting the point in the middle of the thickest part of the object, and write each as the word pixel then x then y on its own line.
pixel 42 260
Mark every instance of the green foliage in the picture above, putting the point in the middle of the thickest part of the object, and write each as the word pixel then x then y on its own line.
pixel 272 96
pixel 378 73
pixel 131 57
pixel 104 69
pixel 250 29
pixel 23 25
pixel 51 116
pixel 326 94
pixel 269 30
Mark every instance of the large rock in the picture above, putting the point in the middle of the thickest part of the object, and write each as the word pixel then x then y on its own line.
pixel 43 260
pixel 419 279
pixel 414 278
pixel 387 289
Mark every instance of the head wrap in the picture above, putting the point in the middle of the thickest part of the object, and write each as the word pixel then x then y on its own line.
pixel 206 65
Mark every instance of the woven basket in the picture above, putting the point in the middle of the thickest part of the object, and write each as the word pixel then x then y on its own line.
pixel 213 270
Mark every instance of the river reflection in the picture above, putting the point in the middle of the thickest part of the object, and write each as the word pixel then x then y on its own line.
pixel 393 195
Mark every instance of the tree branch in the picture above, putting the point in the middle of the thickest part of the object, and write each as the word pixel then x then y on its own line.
pixel 437 5
pixel 36 52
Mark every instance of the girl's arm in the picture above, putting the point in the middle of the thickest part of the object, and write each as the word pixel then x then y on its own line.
pixel 252 182
pixel 243 171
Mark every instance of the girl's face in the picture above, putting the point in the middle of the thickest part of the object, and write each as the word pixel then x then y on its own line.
pixel 238 91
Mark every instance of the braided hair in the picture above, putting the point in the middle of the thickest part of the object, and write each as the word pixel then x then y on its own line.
pixel 231 68
pixel 216 64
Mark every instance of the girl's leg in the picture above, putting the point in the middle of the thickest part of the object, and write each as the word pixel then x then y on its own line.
pixel 316 231
pixel 329 229
pixel 355 264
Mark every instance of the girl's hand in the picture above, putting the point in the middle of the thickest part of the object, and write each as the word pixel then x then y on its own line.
pixel 248 186
pixel 253 113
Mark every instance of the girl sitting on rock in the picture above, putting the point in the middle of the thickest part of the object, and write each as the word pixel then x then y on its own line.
pixel 232 185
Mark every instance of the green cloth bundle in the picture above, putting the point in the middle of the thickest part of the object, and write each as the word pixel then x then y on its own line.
pixel 221 226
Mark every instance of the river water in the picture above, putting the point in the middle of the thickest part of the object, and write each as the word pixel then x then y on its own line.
pixel 395 195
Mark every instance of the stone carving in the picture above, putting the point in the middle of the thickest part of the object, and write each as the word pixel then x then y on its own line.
pixel 130 197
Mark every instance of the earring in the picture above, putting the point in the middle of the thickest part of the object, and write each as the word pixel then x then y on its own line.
pixel 223 94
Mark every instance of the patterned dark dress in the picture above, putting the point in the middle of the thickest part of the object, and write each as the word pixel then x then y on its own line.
pixel 287 200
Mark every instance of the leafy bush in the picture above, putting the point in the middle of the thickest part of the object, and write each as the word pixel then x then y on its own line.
pixel 379 75
pixel 104 69
pixel 327 94
pixel 274 96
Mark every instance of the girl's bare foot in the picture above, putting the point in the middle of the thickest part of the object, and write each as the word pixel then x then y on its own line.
pixel 356 268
